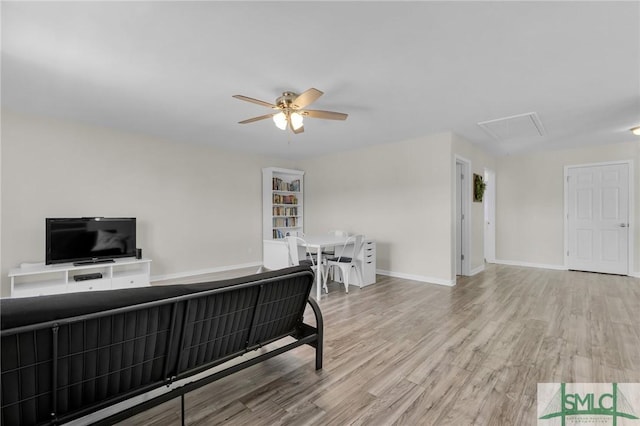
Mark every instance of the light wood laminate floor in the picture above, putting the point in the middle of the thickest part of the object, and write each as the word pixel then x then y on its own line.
pixel 408 353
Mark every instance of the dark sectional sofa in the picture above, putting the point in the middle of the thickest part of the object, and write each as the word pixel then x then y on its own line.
pixel 64 357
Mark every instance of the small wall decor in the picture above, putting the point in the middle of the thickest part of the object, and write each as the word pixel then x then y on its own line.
pixel 478 188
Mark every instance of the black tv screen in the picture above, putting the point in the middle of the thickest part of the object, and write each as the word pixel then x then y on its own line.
pixel 89 239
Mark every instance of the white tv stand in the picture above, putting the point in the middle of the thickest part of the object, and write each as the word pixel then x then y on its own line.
pixel 40 280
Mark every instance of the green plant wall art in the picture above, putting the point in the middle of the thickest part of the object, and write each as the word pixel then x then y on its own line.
pixel 479 186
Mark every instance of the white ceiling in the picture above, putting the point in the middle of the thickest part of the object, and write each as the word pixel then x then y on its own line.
pixel 399 69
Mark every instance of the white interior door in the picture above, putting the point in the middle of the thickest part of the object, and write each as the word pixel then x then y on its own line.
pixel 490 216
pixel 598 218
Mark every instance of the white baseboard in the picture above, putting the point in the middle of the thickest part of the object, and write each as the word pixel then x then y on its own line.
pixel 531 265
pixel 186 274
pixel 421 278
pixel 477 270
pixel 545 266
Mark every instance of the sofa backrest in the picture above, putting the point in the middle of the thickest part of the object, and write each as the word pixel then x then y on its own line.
pixel 66 356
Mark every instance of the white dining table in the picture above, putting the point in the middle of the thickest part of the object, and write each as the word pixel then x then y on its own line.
pixel 317 243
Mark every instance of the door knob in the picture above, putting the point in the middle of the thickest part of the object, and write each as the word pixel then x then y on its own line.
pixel 622 225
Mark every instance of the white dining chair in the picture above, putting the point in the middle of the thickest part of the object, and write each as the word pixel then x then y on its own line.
pixel 345 263
pixel 331 251
pixel 301 234
pixel 294 243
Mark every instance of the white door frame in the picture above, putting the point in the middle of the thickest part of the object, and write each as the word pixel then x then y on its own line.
pixel 466 211
pixel 490 216
pixel 631 242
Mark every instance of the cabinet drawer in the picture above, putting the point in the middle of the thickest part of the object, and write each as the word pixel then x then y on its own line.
pixel 89 285
pixel 369 263
pixel 130 281
pixel 44 290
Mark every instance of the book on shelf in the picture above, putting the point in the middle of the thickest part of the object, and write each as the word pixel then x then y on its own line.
pixel 279 233
pixel 282 222
pixel 285 211
pixel 284 199
pixel 278 184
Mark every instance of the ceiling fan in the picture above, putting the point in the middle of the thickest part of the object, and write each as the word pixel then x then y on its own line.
pixel 290 110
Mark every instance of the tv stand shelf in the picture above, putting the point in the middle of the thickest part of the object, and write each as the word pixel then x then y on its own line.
pixel 43 279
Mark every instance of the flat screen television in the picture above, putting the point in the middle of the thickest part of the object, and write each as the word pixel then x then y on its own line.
pixel 89 239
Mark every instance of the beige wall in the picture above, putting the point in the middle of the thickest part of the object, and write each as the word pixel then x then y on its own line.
pixel 197 207
pixel 530 201
pixel 399 194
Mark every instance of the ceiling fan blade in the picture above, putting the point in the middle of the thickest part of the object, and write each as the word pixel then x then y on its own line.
pixel 255 101
pixel 306 98
pixel 327 115
pixel 262 117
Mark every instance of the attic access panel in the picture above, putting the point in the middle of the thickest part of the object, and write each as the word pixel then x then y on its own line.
pixel 521 126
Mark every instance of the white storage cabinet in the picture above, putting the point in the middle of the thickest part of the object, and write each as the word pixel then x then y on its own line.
pixel 43 279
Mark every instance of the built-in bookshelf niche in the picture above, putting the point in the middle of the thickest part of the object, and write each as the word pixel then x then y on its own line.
pixel 282 202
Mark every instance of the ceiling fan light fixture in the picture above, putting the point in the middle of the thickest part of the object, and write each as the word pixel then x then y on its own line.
pixel 296 120
pixel 292 108
pixel 635 130
pixel 281 120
